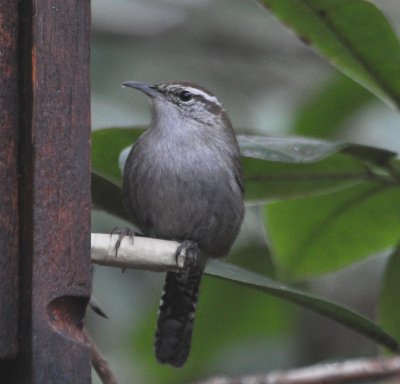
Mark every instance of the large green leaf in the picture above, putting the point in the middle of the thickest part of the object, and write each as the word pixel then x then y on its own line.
pixel 107 145
pixel 306 150
pixel 324 233
pixel 354 35
pixel 324 113
pixel 265 180
pixel 287 149
pixel 298 166
pixel 107 197
pixel 333 311
pixel 251 250
pixel 389 309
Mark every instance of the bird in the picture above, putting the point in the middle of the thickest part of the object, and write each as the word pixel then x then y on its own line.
pixel 182 181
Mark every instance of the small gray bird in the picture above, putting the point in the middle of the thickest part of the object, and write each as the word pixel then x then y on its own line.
pixel 183 181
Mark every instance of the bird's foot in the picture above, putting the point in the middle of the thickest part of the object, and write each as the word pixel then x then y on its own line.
pixel 190 251
pixel 122 232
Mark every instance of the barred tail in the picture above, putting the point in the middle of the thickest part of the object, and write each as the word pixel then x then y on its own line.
pixel 176 315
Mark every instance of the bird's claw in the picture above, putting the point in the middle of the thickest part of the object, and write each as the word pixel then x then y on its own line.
pixel 121 232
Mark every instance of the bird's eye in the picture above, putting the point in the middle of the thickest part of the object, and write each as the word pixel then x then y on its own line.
pixel 185 96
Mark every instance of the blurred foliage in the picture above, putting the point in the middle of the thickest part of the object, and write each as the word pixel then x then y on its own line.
pixel 389 315
pixel 321 234
pixel 344 32
pixel 324 204
pixel 107 145
pixel 326 111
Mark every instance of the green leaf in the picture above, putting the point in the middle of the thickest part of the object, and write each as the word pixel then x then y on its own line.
pixel 287 149
pixel 333 311
pixel 325 112
pixel 107 197
pixel 254 316
pixel 298 166
pixel 354 35
pixel 107 145
pixel 265 180
pixel 389 309
pixel 321 234
pixel 251 249
pixel 306 150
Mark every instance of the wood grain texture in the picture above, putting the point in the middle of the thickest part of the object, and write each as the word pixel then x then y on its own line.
pixel 55 190
pixel 9 179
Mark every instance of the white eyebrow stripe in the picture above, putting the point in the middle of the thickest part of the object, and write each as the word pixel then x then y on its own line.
pixel 206 96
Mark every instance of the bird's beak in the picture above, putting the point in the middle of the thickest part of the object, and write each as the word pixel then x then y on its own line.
pixel 145 88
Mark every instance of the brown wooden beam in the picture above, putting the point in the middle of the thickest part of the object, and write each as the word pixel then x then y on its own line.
pixel 8 181
pixel 54 190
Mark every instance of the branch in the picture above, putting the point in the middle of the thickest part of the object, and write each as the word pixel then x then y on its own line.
pixel 138 252
pixel 99 364
pixel 350 371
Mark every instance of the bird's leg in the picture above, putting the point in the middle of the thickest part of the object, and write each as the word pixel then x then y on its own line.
pixel 190 250
pixel 192 260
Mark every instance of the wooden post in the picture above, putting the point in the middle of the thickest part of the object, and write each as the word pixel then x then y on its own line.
pixel 8 179
pixel 47 182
